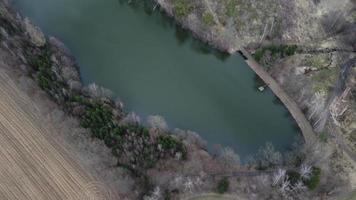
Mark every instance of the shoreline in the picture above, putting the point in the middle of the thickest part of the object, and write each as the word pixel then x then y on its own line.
pixel 293 109
pixel 170 166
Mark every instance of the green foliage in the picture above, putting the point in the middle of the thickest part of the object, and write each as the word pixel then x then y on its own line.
pixel 131 144
pixel 223 185
pixel 208 19
pixel 318 61
pixel 46 78
pixel 314 180
pixel 182 7
pixel 323 137
pixel 168 143
pixel 294 177
pixel 231 8
pixel 276 51
pixel 167 195
pixel 324 79
pixel 79 99
pixel 354 15
pixel 99 119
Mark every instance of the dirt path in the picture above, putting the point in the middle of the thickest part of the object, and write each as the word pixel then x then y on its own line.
pixel 32 166
pixel 289 103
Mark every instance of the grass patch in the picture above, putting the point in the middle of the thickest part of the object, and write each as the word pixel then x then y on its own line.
pixel 323 79
pixel 318 61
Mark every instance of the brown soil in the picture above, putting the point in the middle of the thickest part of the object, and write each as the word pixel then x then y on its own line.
pixel 32 165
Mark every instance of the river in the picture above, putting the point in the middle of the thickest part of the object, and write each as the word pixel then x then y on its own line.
pixel 156 68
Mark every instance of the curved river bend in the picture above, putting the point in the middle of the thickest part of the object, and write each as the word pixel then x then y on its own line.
pixel 156 68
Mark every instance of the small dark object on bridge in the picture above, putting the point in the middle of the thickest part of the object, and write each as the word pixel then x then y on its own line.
pixel 242 54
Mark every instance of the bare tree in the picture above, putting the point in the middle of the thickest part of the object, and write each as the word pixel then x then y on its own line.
pixel 99 92
pixel 228 157
pixel 267 156
pixel 305 171
pixel 157 122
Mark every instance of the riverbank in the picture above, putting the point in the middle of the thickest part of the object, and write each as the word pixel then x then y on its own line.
pixel 171 176
pixel 309 76
pixel 71 107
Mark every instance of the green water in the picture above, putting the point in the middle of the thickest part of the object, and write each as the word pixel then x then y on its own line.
pixel 155 68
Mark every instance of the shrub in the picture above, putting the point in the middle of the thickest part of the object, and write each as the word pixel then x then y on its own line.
pixel 231 8
pixel 208 19
pixel 79 99
pixel 182 7
pixel 294 177
pixel 46 78
pixel 314 180
pixel 323 137
pixel 276 51
pixel 168 143
pixel 99 119
pixel 223 185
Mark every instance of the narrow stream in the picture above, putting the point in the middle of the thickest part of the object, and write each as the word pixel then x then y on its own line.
pixel 156 68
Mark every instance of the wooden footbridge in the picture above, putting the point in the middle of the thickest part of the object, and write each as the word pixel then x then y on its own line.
pixel 290 104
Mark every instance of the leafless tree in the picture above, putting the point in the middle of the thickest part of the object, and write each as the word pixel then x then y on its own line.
pixel 267 156
pixel 99 92
pixel 228 157
pixel 157 122
pixel 305 171
pixel 279 176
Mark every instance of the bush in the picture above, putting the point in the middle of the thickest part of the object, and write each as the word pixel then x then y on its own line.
pixel 168 143
pixel 99 119
pixel 314 180
pixel 208 19
pixel 231 8
pixel 323 137
pixel 223 185
pixel 46 78
pixel 294 177
pixel 277 51
pixel 182 7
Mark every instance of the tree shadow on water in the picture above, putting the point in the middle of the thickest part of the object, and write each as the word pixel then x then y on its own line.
pixel 258 82
pixel 181 35
pixel 205 49
pixel 222 56
pixel 146 5
pixel 200 47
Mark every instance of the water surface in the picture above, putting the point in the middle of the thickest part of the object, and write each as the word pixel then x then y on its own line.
pixel 156 69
